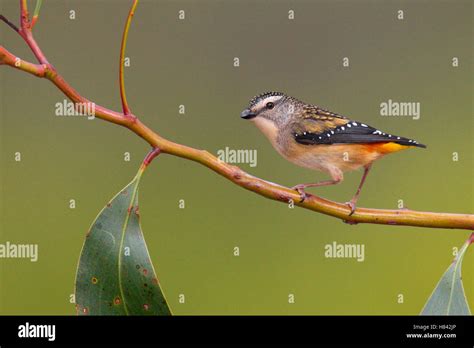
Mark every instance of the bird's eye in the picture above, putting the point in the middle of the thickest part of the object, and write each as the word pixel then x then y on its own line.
pixel 270 105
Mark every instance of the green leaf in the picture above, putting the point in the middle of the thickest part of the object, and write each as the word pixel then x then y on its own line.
pixel 115 275
pixel 448 297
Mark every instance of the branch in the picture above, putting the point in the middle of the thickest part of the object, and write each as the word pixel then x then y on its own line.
pixel 267 189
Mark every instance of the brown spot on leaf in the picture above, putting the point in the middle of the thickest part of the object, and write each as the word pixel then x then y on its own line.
pixel 94 280
pixel 117 300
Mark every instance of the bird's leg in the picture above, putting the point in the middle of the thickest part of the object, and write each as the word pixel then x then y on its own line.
pixel 336 179
pixel 353 201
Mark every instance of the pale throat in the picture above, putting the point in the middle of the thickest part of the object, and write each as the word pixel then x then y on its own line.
pixel 268 128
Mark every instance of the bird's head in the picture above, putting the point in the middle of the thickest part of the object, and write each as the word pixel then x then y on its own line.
pixel 270 106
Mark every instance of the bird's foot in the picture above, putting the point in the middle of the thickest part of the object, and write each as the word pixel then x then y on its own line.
pixel 351 205
pixel 300 189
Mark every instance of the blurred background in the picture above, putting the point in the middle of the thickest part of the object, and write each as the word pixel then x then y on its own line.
pixel 190 62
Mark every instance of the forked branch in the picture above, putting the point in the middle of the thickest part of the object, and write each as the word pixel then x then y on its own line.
pixel 233 173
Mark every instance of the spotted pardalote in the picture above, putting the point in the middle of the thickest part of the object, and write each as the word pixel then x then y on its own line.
pixel 318 139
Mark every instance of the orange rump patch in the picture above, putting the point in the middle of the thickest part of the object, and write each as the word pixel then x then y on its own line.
pixel 385 148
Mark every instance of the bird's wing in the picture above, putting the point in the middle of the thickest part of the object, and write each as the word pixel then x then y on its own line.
pixel 328 128
pixel 317 113
pixel 315 120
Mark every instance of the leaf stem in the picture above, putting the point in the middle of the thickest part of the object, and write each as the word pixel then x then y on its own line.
pixel 150 156
pixel 24 17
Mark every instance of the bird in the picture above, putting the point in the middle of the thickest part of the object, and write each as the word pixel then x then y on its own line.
pixel 315 138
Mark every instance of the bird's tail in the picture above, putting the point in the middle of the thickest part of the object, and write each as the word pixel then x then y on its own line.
pixel 408 142
pixel 396 146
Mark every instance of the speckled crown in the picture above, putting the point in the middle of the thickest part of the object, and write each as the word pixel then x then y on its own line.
pixel 262 96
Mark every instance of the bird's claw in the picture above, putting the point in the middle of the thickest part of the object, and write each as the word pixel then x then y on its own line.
pixel 351 205
pixel 300 190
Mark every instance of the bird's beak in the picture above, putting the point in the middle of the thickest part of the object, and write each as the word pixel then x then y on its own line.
pixel 248 114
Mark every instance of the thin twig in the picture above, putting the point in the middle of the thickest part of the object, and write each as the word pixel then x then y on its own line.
pixel 24 16
pixel 125 107
pixel 10 24
pixel 36 13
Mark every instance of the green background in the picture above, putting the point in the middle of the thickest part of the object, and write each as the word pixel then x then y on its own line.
pixel 190 62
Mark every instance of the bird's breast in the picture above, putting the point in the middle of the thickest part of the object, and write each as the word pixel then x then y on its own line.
pixel 326 157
